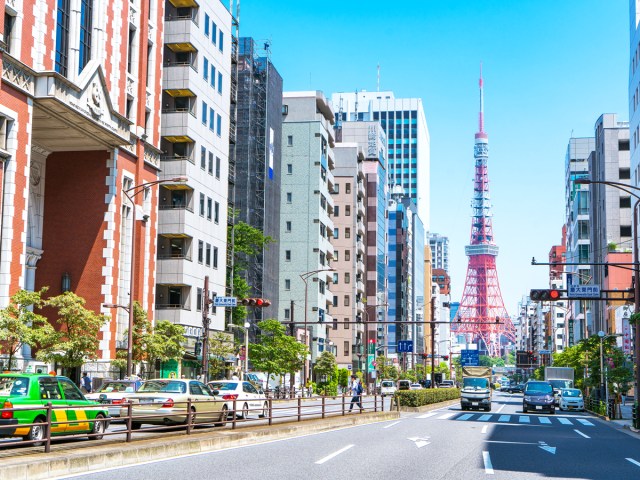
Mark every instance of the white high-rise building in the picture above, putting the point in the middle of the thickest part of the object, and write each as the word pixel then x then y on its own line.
pixel 439 245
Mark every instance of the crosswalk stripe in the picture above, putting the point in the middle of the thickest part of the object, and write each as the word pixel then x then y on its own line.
pixel 504 418
pixel 466 416
pixel 524 419
pixel 586 422
pixel 427 415
pixel 544 420
pixel 485 418
pixel 446 415
pixel 564 421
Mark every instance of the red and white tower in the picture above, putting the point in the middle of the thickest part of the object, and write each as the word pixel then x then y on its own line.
pixel 482 313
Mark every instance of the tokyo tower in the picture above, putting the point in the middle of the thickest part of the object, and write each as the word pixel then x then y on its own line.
pixel 482 313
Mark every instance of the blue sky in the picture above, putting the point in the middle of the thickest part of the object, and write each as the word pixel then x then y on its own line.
pixel 551 68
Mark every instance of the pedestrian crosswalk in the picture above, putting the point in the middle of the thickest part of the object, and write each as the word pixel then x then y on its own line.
pixel 506 418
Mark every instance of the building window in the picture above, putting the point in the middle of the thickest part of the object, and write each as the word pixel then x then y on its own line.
pixel 335 301
pixel 206 25
pixel 347 188
pixel 220 83
pixel 130 61
pixel 336 233
pixel 346 300
pixel 288 226
pixel 207 255
pixel 198 299
pixel 221 40
pixel 212 116
pixel 336 188
pixel 215 257
pixel 218 125
pixel 204 112
pixel 9 23
pixel 289 168
pixel 202 204
pixel 218 168
pixel 289 140
pixel 346 327
pixel 86 27
pixel 287 284
pixel 625 202
pixel 323 230
pixel 347 232
pixel 322 258
pixel 209 208
pixel 289 197
pixel 321 285
pixel 214 33
pixel 200 251
pixel 287 255
pixel 335 255
pixel 216 212
pixel 624 174
pixel 347 255
pixel 336 211
pixel 203 158
pixel 625 230
pixel 346 346
pixel 335 324
pixel 347 210
pixel 335 279
pixel 287 314
pixel 210 169
pixel 347 278
pixel 62 36
pixel 213 76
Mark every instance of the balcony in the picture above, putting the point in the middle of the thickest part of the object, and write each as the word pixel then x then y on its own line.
pixel 360 227
pixel 361 191
pixel 177 75
pixel 178 32
pixel 360 286
pixel 173 166
pixel 360 210
pixel 360 266
pixel 177 125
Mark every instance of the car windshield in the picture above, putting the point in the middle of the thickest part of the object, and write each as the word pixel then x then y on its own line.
pixel 387 384
pixel 14 386
pixel 538 388
pixel 163 386
pixel 574 392
pixel 475 382
pixel 116 387
pixel 223 385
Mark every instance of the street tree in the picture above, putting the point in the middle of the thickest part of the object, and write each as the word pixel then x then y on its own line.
pixel 327 369
pixel 142 328
pixel 166 342
pixel 20 325
pixel 76 339
pixel 220 347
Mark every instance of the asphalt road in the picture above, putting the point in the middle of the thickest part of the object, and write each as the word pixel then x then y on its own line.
pixel 442 444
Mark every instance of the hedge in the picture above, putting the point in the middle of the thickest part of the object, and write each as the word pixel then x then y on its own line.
pixel 425 396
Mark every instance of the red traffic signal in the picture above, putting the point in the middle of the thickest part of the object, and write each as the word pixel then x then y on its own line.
pixel 255 302
pixel 445 357
pixel 546 295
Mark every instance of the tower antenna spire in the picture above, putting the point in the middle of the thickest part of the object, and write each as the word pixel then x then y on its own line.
pixel 481 115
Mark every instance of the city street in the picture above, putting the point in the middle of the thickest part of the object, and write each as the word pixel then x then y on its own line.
pixel 445 443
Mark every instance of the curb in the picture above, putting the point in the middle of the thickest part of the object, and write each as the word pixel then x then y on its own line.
pixel 431 406
pixel 121 454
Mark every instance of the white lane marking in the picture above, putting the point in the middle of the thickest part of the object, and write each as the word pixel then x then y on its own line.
pixel 547 448
pixel 391 425
pixel 427 415
pixel 484 429
pixel 504 418
pixel 464 417
pixel 334 454
pixel 485 418
pixel 544 420
pixel 419 441
pixel 500 409
pixel 580 433
pixel 586 422
pixel 633 461
pixel 488 468
pixel 564 421
pixel 524 419
pixel 446 415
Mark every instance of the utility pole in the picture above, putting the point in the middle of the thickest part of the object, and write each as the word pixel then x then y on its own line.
pixel 433 343
pixel 206 302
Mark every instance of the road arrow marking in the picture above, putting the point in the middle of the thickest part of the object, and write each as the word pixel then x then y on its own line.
pixel 420 442
pixel 547 448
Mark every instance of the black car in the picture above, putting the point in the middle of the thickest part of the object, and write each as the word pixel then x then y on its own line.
pixel 515 388
pixel 538 396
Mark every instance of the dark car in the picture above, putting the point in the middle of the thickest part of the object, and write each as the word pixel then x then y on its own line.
pixel 404 385
pixel 516 388
pixel 538 396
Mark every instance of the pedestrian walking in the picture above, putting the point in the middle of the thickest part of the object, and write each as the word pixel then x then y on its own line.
pixel 86 382
pixel 356 392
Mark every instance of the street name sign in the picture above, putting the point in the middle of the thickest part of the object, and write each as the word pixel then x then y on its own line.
pixel 584 291
pixel 225 302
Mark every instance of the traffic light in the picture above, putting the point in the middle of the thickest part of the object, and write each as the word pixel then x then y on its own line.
pixel 198 349
pixel 255 302
pixel 445 357
pixel 424 356
pixel 372 346
pixel 548 295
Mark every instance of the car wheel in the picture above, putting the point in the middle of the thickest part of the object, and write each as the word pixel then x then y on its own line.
pixel 224 413
pixel 136 425
pixel 98 427
pixel 245 412
pixel 524 409
pixel 488 409
pixel 552 411
pixel 193 417
pixel 265 410
pixel 37 433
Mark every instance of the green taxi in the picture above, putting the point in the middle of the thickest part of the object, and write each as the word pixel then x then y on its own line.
pixel 28 391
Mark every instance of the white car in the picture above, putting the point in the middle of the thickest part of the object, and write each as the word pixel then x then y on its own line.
pixel 415 386
pixel 387 387
pixel 247 397
pixel 571 399
pixel 112 393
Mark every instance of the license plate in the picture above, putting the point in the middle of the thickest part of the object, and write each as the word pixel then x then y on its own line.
pixel 474 404
pixel 146 400
pixel 538 407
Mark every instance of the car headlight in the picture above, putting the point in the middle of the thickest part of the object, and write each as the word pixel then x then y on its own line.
pixel 527 399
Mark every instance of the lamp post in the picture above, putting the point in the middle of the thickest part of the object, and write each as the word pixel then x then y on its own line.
pixel 130 193
pixel 366 340
pixel 246 327
pixel 636 269
pixel 305 276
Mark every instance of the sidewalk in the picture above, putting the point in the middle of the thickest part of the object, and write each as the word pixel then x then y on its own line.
pixel 627 416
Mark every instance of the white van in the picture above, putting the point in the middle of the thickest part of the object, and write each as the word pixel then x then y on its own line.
pixel 387 387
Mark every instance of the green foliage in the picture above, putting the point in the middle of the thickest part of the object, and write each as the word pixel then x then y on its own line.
pixel 220 346
pixel 425 396
pixel 20 325
pixel 165 343
pixel 343 377
pixel 386 369
pixel 326 365
pixel 486 361
pixel 76 339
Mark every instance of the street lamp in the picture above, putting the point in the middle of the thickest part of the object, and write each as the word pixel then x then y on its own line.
pixel 636 267
pixel 305 276
pixel 246 346
pixel 130 193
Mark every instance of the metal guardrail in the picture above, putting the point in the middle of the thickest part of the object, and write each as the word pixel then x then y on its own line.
pixel 302 407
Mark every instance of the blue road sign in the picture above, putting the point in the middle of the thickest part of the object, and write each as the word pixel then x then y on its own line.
pixel 225 302
pixel 469 358
pixel 405 346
